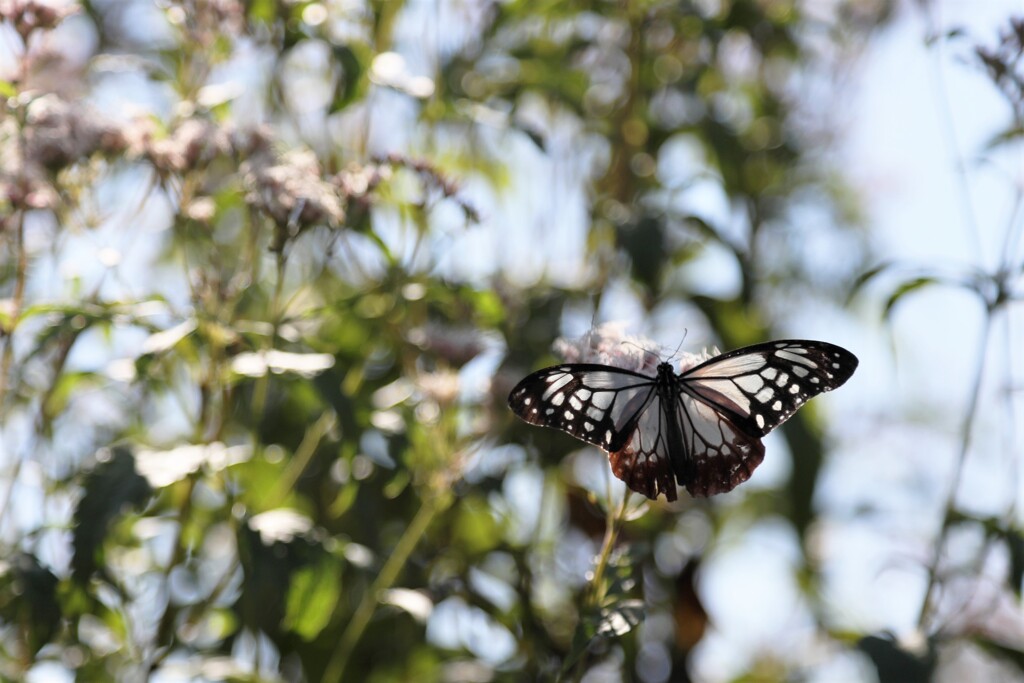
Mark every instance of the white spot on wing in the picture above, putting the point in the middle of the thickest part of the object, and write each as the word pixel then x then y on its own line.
pixel 557 399
pixel 759 419
pixel 575 403
pixel 765 394
pixel 769 373
pixel 603 399
pixel 749 383
pixel 726 390
pixel 556 382
pixel 594 413
pixel 743 364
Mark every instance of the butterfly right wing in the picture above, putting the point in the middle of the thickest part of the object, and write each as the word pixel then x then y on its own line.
pixel 598 404
pixel 727 403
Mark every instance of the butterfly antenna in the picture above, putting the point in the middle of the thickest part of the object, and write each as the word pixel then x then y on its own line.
pixel 648 352
pixel 676 352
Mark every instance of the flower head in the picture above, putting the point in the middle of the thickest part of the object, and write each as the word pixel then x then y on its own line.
pixel 291 187
pixel 608 344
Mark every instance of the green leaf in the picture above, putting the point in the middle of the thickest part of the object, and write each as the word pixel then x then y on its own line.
pixel 867 276
pixel 1004 137
pixel 613 621
pixel 905 288
pixel 344 500
pixel 644 242
pixel 312 596
pixel 475 529
pixel 1011 654
pixel 489 308
pixel 621 618
pixel 262 11
pixel 1015 544
pixel 28 599
pixel 351 85
pixel 586 631
pixel 895 664
pixel 617 613
pixel 65 387
pixel 112 487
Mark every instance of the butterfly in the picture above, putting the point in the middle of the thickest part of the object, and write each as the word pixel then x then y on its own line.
pixel 702 427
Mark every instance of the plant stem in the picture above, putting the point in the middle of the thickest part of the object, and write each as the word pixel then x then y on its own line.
pixel 611 532
pixel 335 669
pixel 300 460
pixel 261 387
pixel 596 590
pixel 958 469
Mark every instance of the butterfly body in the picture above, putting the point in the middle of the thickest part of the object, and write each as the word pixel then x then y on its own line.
pixel 700 429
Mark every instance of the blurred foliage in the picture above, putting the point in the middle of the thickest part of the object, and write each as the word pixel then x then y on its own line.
pixel 255 430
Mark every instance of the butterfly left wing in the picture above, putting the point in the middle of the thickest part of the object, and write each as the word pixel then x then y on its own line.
pixel 618 410
pixel 598 404
pixel 645 461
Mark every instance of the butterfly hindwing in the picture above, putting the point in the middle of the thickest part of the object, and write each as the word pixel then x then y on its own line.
pixel 598 404
pixel 720 455
pixel 644 462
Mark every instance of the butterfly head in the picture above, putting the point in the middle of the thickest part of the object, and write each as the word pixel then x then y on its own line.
pixel 666 371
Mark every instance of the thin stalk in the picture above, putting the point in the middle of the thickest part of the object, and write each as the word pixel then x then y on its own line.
pixel 18 301
pixel 335 670
pixel 596 589
pixel 300 460
pixel 958 469
pixel 166 638
pixel 611 533
pixel 948 125
pixel 259 400
pixel 7 355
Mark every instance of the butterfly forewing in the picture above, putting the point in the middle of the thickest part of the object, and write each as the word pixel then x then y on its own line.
pixel 596 403
pixel 759 387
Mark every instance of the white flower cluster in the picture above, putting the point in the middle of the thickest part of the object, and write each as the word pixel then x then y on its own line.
pixel 608 344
